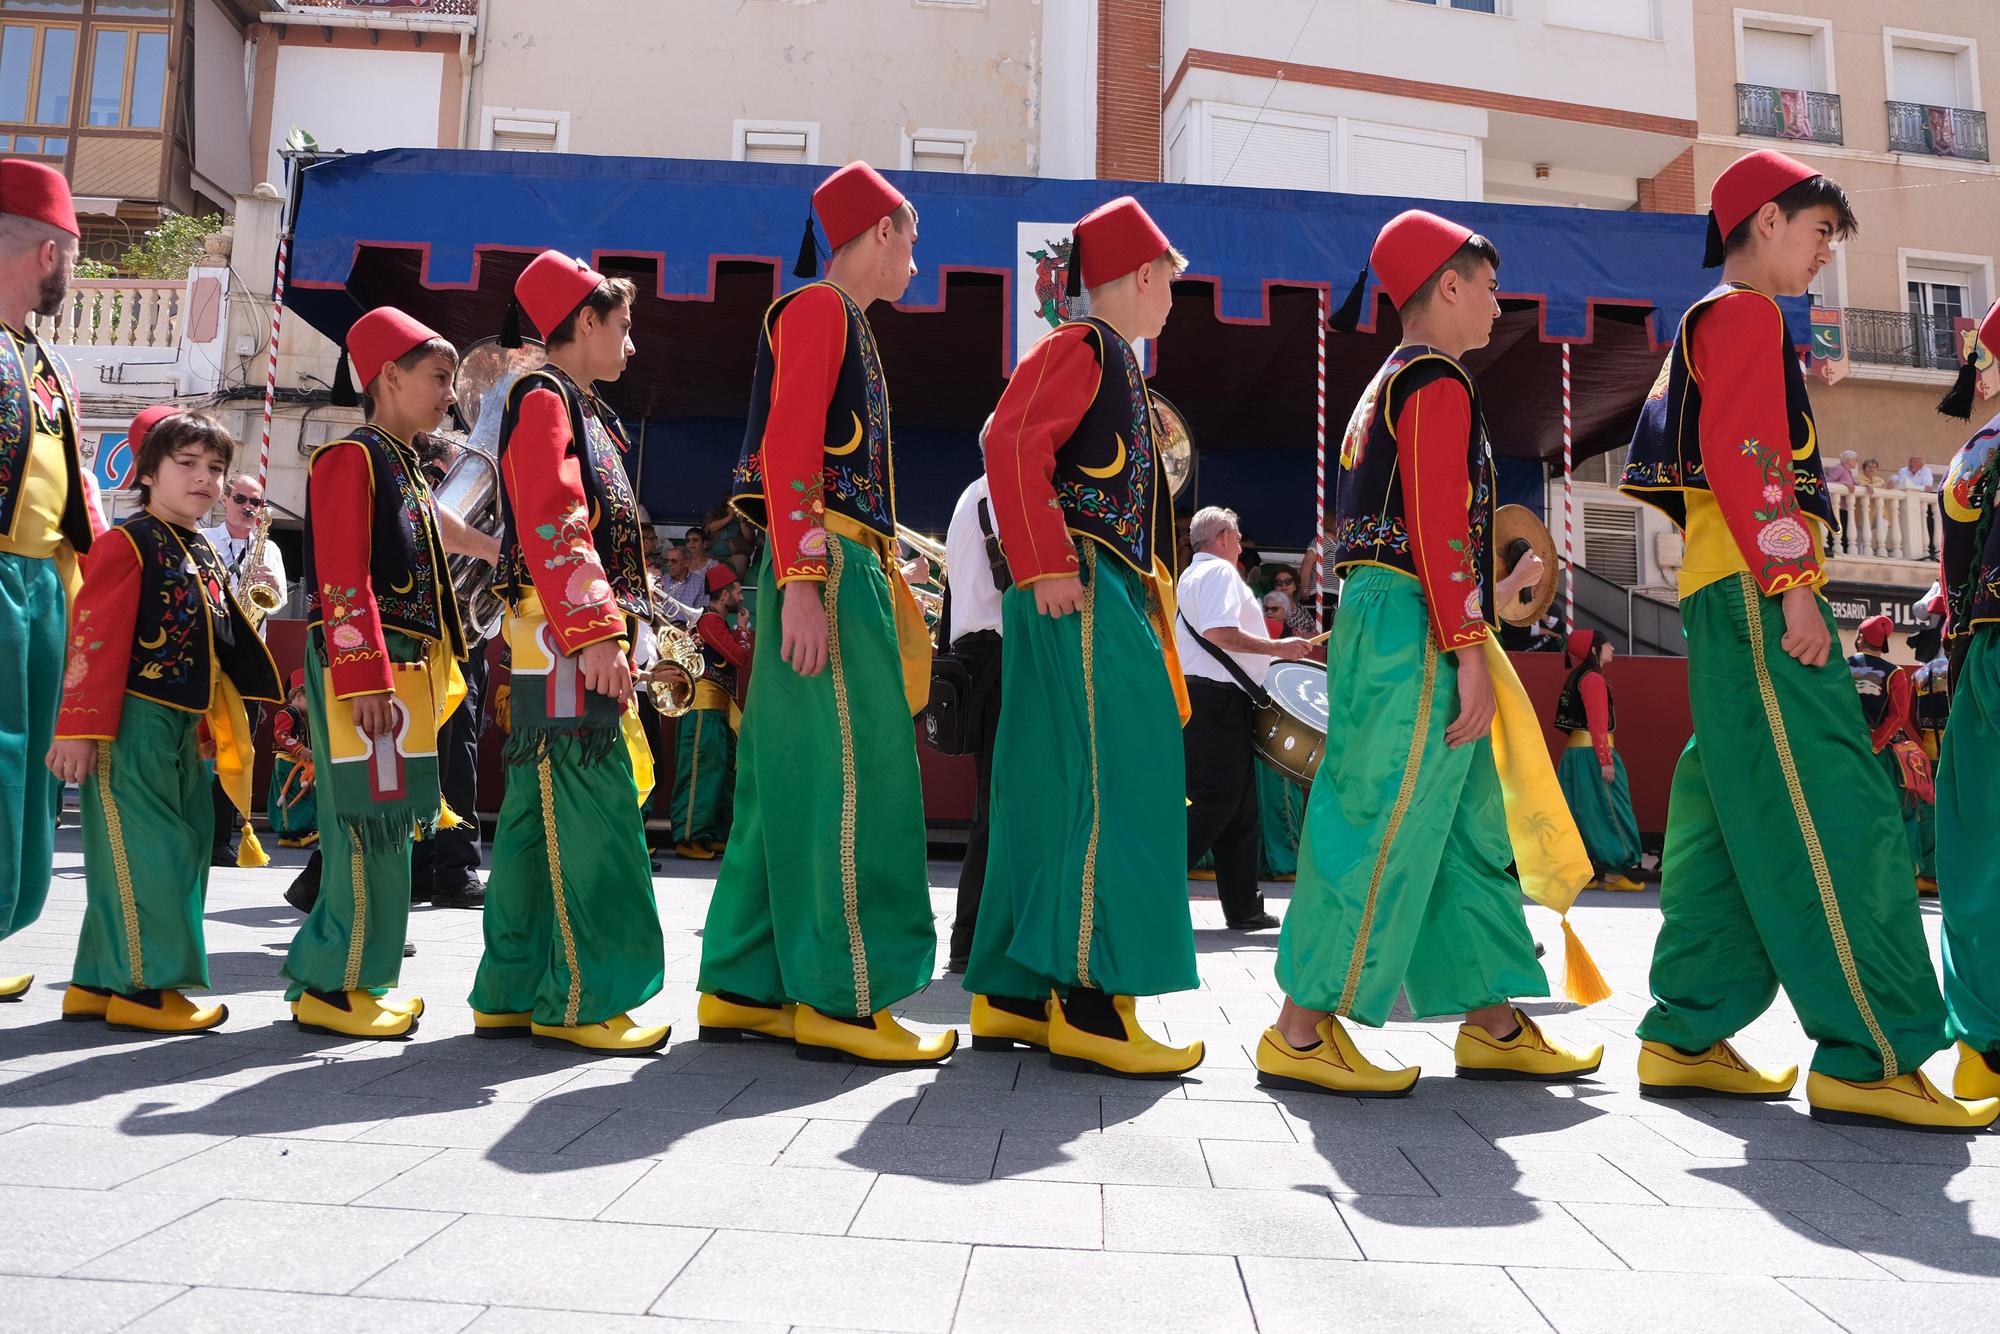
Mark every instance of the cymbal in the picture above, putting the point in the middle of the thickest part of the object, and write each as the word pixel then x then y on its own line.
pixel 1516 523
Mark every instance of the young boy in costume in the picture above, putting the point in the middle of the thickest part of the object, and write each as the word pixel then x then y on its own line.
pixel 1786 862
pixel 705 750
pixel 159 646
pixel 289 803
pixel 1591 772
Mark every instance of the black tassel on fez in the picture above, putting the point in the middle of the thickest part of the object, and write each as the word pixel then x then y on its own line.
pixel 510 325
pixel 807 264
pixel 1964 390
pixel 1348 318
pixel 343 395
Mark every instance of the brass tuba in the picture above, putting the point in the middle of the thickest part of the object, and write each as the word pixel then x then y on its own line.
pixel 471 486
pixel 678 648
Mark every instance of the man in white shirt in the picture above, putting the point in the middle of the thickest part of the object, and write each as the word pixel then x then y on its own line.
pixel 1916 475
pixel 972 621
pixel 242 507
pixel 1220 619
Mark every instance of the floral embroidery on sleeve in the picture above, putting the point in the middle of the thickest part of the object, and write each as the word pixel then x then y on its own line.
pixel 342 610
pixel 585 588
pixel 1781 537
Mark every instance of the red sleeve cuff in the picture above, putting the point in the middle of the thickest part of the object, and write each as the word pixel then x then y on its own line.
pixel 341 494
pixel 99 657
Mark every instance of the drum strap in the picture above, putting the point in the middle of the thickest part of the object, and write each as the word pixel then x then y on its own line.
pixel 1256 692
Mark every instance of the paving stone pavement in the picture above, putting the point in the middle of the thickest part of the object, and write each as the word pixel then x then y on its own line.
pixel 259 1178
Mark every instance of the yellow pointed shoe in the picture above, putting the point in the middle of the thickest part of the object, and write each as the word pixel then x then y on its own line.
pixel 1978 1075
pixel 350 1014
pixel 13 988
pixel 1907 1102
pixel 1334 1066
pixel 616 1036
pixel 1667 1072
pixel 1133 1054
pixel 1624 884
pixel 876 1040
pixel 166 1011
pixel 1927 886
pixel 1530 1054
pixel 515 1024
pixel 695 852
pixel 80 1002
pixel 413 1006
pixel 736 1018
pixel 1004 1023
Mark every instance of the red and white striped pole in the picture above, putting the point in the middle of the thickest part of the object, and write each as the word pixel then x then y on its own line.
pixel 1319 463
pixel 271 365
pixel 1569 503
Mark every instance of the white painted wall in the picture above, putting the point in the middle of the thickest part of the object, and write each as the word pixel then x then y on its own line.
pixel 355 100
pixel 1066 105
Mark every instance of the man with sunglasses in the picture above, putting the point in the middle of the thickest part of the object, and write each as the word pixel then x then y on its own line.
pixel 233 538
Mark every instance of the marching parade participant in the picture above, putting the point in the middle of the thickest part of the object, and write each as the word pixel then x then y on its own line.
pixel 573 939
pixel 257 580
pixel 1930 710
pixel 1888 706
pixel 703 749
pixel 159 647
pixel 383 644
pixel 1403 879
pixel 1968 852
pixel 48 512
pixel 1592 774
pixel 1085 904
pixel 1785 863
pixel 821 918
pixel 289 801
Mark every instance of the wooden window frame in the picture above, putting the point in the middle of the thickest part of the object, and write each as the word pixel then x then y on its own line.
pixel 64 128
pixel 132 31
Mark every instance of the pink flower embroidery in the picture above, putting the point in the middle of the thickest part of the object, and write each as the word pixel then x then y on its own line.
pixel 587 588
pixel 1773 494
pixel 1472 607
pixel 1785 540
pixel 347 637
pixel 812 542
pixel 79 667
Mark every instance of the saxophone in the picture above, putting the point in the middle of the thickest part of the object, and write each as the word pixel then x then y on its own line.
pixel 261 595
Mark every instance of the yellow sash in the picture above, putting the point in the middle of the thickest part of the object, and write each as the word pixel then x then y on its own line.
pixel 526 653
pixel 913 632
pixel 235 762
pixel 1165 606
pixel 1548 851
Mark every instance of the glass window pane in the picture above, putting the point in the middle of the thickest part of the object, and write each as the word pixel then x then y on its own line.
pixel 107 78
pixel 55 147
pixel 149 80
pixel 6 142
pixel 46 6
pixel 159 7
pixel 58 70
pixel 17 54
pixel 27 143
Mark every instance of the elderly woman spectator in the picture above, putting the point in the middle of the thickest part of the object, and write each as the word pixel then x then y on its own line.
pixel 1846 471
pixel 1298 602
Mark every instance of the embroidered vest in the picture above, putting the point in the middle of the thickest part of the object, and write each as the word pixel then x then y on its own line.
pixel 17 435
pixel 715 667
pixel 1871 682
pixel 1971 536
pixel 1571 716
pixel 183 588
pixel 406 560
pixel 1666 444
pixel 1370 526
pixel 1933 706
pixel 598 443
pixel 859 459
pixel 1107 475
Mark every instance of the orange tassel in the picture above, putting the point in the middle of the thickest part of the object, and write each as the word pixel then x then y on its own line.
pixel 1582 982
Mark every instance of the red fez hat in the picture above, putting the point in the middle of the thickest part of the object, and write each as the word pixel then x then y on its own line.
pixel 552 287
pixel 298 678
pixel 381 336
pixel 852 200
pixel 1745 186
pixel 1874 631
pixel 1579 645
pixel 720 576
pixel 1981 347
pixel 36 190
pixel 1111 241
pixel 1411 248
pixel 135 434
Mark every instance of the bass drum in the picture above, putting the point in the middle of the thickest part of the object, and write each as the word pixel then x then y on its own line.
pixel 1290 730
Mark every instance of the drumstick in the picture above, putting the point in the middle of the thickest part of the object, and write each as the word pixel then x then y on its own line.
pixel 1321 637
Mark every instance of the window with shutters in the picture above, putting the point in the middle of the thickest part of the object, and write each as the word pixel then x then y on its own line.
pixel 1611 542
pixel 1931 70
pixel 1272 150
pixel 1622 18
pixel 938 150
pixel 1391 160
pixel 775 141
pixel 524 130
pixel 1606 469
pixel 1239 145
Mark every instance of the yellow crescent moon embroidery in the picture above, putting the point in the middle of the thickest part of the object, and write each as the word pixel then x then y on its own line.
pixel 1805 451
pixel 156 640
pixel 853 441
pixel 405 586
pixel 1113 468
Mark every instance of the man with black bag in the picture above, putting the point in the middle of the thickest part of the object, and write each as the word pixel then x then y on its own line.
pixel 1224 654
pixel 975 576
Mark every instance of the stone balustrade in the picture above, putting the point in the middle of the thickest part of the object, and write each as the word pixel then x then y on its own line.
pixel 1885 523
pixel 115 312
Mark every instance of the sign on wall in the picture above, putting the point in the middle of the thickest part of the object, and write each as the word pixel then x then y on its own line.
pixel 1041 287
pixel 112 465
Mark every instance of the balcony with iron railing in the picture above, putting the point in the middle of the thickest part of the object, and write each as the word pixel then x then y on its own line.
pixel 1937 131
pixel 454 13
pixel 1898 338
pixel 1788 113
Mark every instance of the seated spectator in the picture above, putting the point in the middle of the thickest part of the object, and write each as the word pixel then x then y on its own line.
pixel 1299 618
pixel 699 560
pixel 729 540
pixel 687 592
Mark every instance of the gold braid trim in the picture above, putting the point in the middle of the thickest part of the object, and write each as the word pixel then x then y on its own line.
pixel 694 776
pixel 1822 876
pixel 1086 923
pixel 357 932
pixel 122 867
pixel 1405 794
pixel 556 887
pixel 850 894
